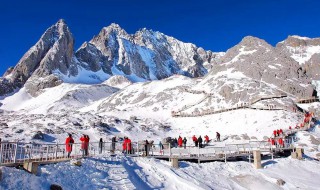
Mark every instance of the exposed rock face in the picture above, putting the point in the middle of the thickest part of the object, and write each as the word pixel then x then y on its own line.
pixel 146 54
pixel 260 61
pixel 306 51
pixel 52 53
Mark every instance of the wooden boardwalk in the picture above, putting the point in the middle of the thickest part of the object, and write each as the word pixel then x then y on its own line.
pixel 179 112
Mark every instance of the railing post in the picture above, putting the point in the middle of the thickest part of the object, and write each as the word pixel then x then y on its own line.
pixel 15 153
pixel 56 153
pixel 1 147
pixel 47 152
pixel 138 148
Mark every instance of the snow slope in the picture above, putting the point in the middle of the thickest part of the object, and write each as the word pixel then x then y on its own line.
pixel 143 173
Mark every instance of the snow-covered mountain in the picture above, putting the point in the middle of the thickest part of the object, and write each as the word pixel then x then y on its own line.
pixel 145 55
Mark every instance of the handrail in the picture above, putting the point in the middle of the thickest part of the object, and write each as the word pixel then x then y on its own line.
pixel 19 152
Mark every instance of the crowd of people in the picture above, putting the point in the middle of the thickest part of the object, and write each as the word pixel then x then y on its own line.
pixel 278 137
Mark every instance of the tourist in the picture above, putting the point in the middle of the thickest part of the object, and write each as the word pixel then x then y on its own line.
pixel 124 145
pixel 195 140
pixel 146 147
pixel 86 140
pixel 200 141
pixel 218 136
pixel 180 141
pixel 83 144
pixel 100 146
pixel 274 133
pixel 129 147
pixel 69 142
pixel 113 144
pixel 185 142
pixel 206 139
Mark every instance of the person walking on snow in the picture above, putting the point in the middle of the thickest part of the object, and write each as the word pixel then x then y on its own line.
pixel 180 141
pixel 113 144
pixel 100 146
pixel 184 142
pixel 274 133
pixel 281 143
pixel 86 140
pixel 195 140
pixel 200 141
pixel 206 139
pixel 124 145
pixel 146 147
pixel 83 144
pixel 175 141
pixel 218 136
pixel 281 131
pixel 69 142
pixel 129 147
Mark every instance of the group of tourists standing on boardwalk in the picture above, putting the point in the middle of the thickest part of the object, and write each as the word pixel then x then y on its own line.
pixel 84 144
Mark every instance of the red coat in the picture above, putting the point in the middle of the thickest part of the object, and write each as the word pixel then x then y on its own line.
pixel 124 144
pixel 180 141
pixel 274 132
pixel 83 143
pixel 280 131
pixel 207 138
pixel 69 142
pixel 272 142
pixel 194 138
pixel 281 141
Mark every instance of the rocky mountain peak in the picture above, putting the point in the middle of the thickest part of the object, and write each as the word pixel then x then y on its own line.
pixel 254 42
pixel 298 41
pixel 52 53
pixel 112 30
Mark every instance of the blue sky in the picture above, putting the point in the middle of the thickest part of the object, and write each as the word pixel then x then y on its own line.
pixel 215 25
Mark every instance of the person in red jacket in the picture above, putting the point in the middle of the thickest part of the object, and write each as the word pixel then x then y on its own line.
pixel 69 142
pixel 281 143
pixel 275 133
pixel 83 144
pixel 86 146
pixel 273 141
pixel 129 147
pixel 195 140
pixel 206 139
pixel 124 145
pixel 280 131
pixel 180 141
